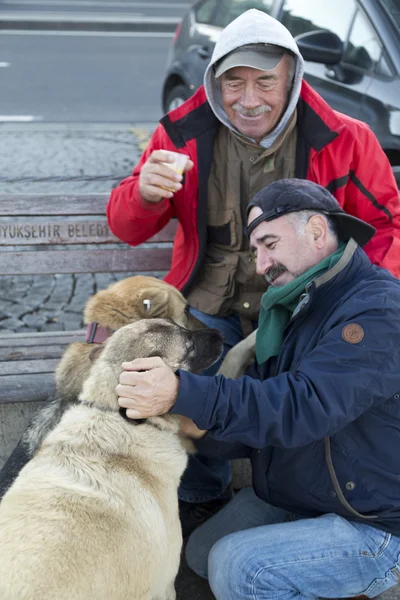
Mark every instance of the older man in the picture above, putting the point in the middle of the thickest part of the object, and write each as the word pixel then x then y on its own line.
pixel 255 121
pixel 321 426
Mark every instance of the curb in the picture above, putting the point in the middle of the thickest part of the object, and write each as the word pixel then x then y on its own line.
pixel 16 21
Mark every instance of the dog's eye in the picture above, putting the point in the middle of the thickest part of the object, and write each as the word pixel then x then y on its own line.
pixel 187 309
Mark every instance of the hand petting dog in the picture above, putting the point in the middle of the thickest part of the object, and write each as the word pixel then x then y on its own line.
pixel 148 388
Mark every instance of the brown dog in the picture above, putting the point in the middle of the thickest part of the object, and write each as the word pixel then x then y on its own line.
pixel 123 302
pixel 94 514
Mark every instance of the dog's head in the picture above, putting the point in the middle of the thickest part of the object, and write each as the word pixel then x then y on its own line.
pixel 135 298
pixel 179 348
pixel 126 301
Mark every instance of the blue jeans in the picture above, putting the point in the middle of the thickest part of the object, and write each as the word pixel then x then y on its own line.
pixel 207 478
pixel 252 550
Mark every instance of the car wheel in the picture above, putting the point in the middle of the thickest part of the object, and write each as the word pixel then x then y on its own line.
pixel 396 171
pixel 176 96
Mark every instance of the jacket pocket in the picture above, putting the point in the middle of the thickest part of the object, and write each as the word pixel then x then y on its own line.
pixel 216 283
pixel 222 229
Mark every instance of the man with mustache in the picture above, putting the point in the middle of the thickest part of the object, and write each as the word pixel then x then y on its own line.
pixel 321 424
pixel 255 121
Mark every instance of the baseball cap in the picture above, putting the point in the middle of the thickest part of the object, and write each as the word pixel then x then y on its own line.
pixel 264 57
pixel 292 195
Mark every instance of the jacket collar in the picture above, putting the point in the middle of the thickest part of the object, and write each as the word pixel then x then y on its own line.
pixel 311 287
pixel 342 263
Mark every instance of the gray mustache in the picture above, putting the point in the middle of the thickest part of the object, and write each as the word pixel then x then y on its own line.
pixel 251 112
pixel 274 272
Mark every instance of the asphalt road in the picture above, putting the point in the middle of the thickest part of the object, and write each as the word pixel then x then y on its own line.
pixel 150 8
pixel 82 77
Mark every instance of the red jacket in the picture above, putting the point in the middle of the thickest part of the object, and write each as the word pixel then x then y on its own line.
pixel 334 150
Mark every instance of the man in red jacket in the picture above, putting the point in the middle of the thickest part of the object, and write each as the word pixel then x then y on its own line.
pixel 253 122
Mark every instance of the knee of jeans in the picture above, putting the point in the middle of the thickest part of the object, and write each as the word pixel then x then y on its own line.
pixel 221 569
pixel 196 556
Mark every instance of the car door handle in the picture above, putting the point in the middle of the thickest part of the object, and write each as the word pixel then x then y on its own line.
pixel 203 52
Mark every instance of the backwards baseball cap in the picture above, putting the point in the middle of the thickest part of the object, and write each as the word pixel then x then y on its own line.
pixel 292 195
pixel 264 57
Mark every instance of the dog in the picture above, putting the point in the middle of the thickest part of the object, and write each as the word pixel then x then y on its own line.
pixel 239 358
pixel 123 302
pixel 94 514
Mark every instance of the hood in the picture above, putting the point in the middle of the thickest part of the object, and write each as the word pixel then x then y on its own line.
pixel 253 27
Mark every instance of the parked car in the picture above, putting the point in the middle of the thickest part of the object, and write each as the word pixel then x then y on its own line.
pixel 354 64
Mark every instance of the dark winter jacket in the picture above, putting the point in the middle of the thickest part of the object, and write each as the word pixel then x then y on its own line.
pixel 329 405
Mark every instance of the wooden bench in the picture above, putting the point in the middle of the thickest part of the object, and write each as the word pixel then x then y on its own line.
pixel 46 235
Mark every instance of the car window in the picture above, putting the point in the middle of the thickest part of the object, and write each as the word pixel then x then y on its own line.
pixel 393 8
pixel 383 68
pixel 309 15
pixel 364 48
pixel 205 11
pixel 230 9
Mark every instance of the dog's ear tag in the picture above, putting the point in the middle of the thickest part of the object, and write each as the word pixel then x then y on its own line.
pixel 147 304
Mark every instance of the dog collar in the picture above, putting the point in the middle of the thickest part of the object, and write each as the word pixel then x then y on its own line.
pixel 96 334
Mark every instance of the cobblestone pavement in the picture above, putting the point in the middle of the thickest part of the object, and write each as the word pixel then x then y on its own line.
pixel 45 303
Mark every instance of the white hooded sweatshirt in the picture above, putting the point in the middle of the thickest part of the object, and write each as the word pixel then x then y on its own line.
pixel 253 27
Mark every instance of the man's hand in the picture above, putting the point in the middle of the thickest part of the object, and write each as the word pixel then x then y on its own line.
pixel 147 387
pixel 155 177
pixel 187 427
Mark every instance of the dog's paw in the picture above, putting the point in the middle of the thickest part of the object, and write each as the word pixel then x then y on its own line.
pixel 239 358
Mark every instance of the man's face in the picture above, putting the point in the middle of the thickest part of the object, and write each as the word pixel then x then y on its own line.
pixel 255 100
pixel 282 254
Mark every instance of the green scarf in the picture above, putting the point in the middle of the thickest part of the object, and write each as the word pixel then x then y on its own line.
pixel 278 304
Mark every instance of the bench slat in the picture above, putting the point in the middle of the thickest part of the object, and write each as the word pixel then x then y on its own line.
pixel 29 233
pixel 23 367
pixel 45 204
pixel 9 339
pixel 86 261
pixel 89 231
pixel 30 387
pixel 38 353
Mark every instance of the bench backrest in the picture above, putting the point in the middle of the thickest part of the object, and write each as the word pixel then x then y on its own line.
pixel 46 234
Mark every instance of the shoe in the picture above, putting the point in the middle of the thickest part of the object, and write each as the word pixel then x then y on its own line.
pixel 193 514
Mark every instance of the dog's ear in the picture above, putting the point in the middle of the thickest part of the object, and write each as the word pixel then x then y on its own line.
pixel 95 353
pixel 153 302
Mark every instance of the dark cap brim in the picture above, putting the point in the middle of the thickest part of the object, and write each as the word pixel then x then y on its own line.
pixel 347 226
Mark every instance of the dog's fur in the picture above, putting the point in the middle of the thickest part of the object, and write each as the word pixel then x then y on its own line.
pixel 94 515
pixel 239 358
pixel 123 302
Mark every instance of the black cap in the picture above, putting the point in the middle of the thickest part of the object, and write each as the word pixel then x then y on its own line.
pixel 292 195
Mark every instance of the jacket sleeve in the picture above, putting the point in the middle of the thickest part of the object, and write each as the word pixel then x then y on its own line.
pixel 208 446
pixel 132 219
pixel 372 195
pixel 332 385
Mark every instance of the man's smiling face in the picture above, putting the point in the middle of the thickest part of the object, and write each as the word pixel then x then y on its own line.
pixel 255 100
pixel 282 253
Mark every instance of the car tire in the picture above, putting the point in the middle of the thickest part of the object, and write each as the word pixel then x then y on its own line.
pixel 396 171
pixel 176 96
